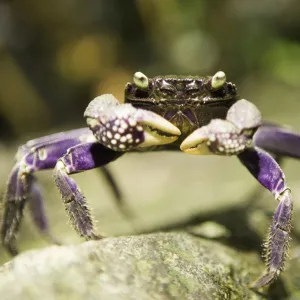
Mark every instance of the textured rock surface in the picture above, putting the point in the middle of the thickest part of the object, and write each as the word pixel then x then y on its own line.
pixel 156 266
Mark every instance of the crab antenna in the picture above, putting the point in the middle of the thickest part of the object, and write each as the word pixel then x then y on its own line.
pixel 141 80
pixel 218 80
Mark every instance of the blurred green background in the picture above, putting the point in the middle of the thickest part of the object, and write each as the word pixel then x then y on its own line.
pixel 56 56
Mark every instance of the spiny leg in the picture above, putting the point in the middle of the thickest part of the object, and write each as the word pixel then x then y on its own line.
pixel 37 154
pixel 280 140
pixel 233 136
pixel 265 169
pixel 12 210
pixel 80 158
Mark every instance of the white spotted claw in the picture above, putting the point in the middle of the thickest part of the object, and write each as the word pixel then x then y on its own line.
pixel 126 127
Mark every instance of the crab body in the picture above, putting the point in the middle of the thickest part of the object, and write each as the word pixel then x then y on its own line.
pixel 188 102
pixel 197 115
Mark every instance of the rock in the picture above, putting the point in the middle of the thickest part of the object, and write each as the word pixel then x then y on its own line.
pixel 174 265
pixel 209 230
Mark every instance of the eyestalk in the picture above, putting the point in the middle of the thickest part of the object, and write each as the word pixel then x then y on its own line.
pixel 218 80
pixel 141 80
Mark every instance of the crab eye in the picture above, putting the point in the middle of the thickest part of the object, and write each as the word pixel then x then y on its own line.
pixel 218 80
pixel 141 80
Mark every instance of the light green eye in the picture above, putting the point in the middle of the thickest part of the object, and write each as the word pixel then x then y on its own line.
pixel 218 80
pixel 141 80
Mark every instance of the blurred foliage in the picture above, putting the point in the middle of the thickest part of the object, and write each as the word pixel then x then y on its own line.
pixel 55 56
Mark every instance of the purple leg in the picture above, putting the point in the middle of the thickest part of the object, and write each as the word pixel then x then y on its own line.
pixel 12 210
pixel 36 207
pixel 38 154
pixel 266 170
pixel 80 158
pixel 118 197
pixel 278 140
pixel 78 136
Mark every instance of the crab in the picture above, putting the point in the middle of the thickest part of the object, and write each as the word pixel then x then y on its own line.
pixel 195 114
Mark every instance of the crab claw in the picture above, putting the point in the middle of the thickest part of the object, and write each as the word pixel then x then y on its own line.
pixel 122 127
pixel 157 130
pixel 196 142
pixel 218 137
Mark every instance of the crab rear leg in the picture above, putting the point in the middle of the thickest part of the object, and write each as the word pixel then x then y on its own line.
pixel 37 209
pixel 266 170
pixel 118 196
pixel 77 159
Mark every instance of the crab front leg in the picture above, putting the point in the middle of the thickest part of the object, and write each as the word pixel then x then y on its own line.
pixel 234 136
pixel 118 128
pixel 80 158
pixel 266 170
pixel 35 155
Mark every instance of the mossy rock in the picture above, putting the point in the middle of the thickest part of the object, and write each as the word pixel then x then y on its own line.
pixel 174 265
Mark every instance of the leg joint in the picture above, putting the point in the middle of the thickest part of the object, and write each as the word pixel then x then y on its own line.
pixel 60 166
